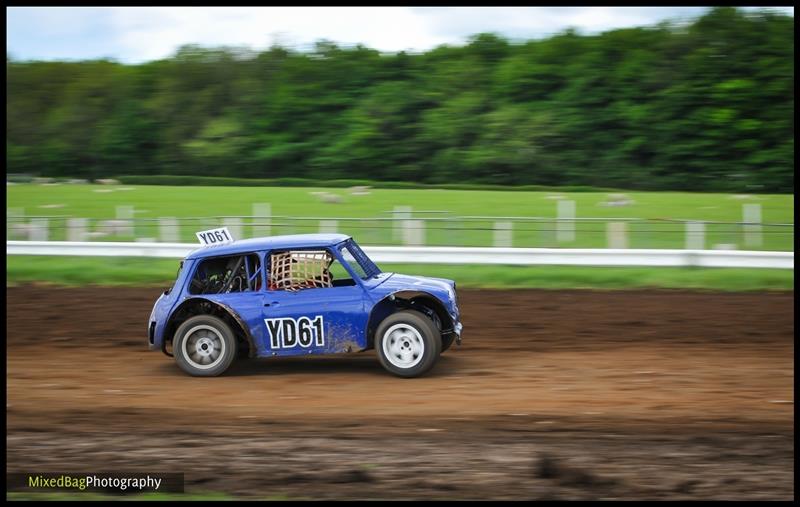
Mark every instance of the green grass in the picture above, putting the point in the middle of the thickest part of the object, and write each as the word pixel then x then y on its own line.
pixel 161 272
pixel 100 201
pixel 90 270
pixel 583 277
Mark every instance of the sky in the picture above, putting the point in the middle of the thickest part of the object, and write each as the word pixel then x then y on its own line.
pixel 138 34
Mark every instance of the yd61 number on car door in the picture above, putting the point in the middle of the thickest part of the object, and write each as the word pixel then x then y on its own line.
pixel 287 333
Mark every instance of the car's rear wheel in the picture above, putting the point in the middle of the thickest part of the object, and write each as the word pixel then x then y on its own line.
pixel 204 346
pixel 408 343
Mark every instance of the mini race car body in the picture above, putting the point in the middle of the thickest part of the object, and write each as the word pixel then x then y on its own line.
pixel 296 295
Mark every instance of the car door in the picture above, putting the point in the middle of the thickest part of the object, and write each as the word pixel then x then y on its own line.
pixel 313 320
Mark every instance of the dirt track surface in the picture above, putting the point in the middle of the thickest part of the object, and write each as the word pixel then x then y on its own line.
pixel 554 394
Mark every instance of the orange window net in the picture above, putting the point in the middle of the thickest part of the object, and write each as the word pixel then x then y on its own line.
pixel 303 269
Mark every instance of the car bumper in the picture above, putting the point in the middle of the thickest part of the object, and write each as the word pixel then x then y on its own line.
pixel 151 334
pixel 457 331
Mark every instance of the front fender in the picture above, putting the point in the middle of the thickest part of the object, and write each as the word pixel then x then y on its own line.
pixel 409 299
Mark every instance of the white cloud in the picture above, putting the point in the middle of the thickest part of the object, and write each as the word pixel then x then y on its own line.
pixel 154 32
pixel 536 22
pixel 58 21
pixel 135 34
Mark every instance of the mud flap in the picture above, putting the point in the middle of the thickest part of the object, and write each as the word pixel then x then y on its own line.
pixel 164 349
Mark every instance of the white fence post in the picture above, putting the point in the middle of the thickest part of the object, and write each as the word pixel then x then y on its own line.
pixel 262 213
pixel 14 224
pixel 168 229
pixel 565 226
pixel 38 230
pixel 617 235
pixel 234 225
pixel 751 213
pixel 413 232
pixel 77 229
pixel 695 236
pixel 328 226
pixel 125 213
pixel 503 234
pixel 399 216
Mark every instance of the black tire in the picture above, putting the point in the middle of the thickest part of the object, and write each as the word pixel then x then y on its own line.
pixel 447 341
pixel 408 331
pixel 193 334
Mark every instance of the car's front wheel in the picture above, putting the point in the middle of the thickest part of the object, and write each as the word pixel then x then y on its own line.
pixel 204 346
pixel 408 343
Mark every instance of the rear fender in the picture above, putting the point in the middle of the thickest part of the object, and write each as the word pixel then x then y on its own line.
pixel 199 306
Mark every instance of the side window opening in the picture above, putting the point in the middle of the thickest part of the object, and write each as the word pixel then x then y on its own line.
pixel 341 277
pixel 221 275
pixel 306 269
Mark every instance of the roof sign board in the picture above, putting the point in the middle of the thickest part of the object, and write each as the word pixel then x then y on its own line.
pixel 214 237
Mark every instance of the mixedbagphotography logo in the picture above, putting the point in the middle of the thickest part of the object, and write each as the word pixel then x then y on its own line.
pixel 134 482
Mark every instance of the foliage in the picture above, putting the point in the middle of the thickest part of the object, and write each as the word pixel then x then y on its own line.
pixel 707 105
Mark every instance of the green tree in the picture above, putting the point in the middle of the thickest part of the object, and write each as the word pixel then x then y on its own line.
pixel 701 105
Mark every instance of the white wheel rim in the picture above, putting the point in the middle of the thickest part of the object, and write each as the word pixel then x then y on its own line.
pixel 203 347
pixel 403 346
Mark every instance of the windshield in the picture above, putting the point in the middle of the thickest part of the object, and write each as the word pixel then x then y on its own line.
pixel 361 265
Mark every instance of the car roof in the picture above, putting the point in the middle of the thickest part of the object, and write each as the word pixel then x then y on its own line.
pixel 269 243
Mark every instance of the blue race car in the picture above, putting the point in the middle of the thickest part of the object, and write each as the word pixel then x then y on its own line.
pixel 296 295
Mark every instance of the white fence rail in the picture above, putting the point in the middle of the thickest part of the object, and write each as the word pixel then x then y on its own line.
pixel 451 255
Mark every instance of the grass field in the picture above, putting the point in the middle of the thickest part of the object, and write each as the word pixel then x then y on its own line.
pixel 149 202
pixel 162 272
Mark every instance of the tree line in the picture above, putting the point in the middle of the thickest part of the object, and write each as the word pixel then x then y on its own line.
pixel 700 105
